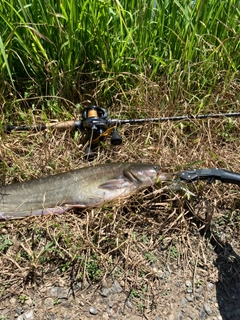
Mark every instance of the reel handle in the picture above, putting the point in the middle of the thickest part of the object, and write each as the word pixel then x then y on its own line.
pixel 116 139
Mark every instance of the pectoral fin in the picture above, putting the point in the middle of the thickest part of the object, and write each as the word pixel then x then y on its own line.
pixel 115 184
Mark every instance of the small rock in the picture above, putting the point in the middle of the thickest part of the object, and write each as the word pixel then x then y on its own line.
pixel 106 292
pixel 197 296
pixel 210 285
pixel 189 297
pixel 19 310
pixel 188 283
pixel 77 286
pixel 81 303
pixel 49 302
pixel 183 302
pixel 61 283
pixel 93 310
pixel 116 287
pixel 110 303
pixel 180 316
pixel 171 317
pixel 53 292
pixel 207 308
pixel 62 293
pixel 28 315
pixel 128 304
pixel 202 314
pixel 13 301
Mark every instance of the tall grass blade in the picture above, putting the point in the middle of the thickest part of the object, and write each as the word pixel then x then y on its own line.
pixel 2 49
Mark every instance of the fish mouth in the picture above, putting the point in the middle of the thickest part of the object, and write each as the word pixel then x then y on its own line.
pixel 164 176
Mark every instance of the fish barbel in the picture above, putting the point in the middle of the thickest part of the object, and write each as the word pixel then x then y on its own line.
pixel 89 186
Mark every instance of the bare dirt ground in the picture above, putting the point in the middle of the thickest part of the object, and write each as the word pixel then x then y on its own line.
pixel 161 254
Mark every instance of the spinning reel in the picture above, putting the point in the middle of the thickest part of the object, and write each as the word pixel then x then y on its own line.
pixel 95 121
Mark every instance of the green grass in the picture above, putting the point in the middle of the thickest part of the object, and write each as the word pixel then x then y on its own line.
pixel 53 47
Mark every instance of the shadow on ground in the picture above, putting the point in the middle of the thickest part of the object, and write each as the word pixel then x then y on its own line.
pixel 228 285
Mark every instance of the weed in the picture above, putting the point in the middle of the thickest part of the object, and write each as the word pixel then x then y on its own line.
pixel 23 298
pixel 150 257
pixel 92 267
pixel 174 252
pixel 2 291
pixel 135 294
pixel 140 305
pixel 198 283
pixel 5 243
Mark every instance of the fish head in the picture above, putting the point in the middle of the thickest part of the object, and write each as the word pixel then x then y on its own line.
pixel 142 175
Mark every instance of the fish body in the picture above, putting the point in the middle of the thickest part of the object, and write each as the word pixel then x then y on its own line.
pixel 89 186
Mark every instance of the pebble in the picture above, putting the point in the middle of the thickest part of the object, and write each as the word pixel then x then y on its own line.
pixel 183 302
pixel 189 297
pixel 197 296
pixel 77 286
pixel 207 309
pixel 110 303
pixel 210 285
pixel 49 302
pixel 13 301
pixel 188 283
pixel 62 293
pixel 106 292
pixel 180 316
pixel 53 292
pixel 116 287
pixel 93 310
pixel 19 310
pixel 128 304
pixel 202 314
pixel 171 317
pixel 28 315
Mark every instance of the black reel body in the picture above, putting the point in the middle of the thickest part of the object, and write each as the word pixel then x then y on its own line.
pixel 95 121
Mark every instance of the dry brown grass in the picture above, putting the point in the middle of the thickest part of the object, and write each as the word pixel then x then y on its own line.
pixel 138 238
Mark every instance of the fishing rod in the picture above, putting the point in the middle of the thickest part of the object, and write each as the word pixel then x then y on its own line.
pixel 96 123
